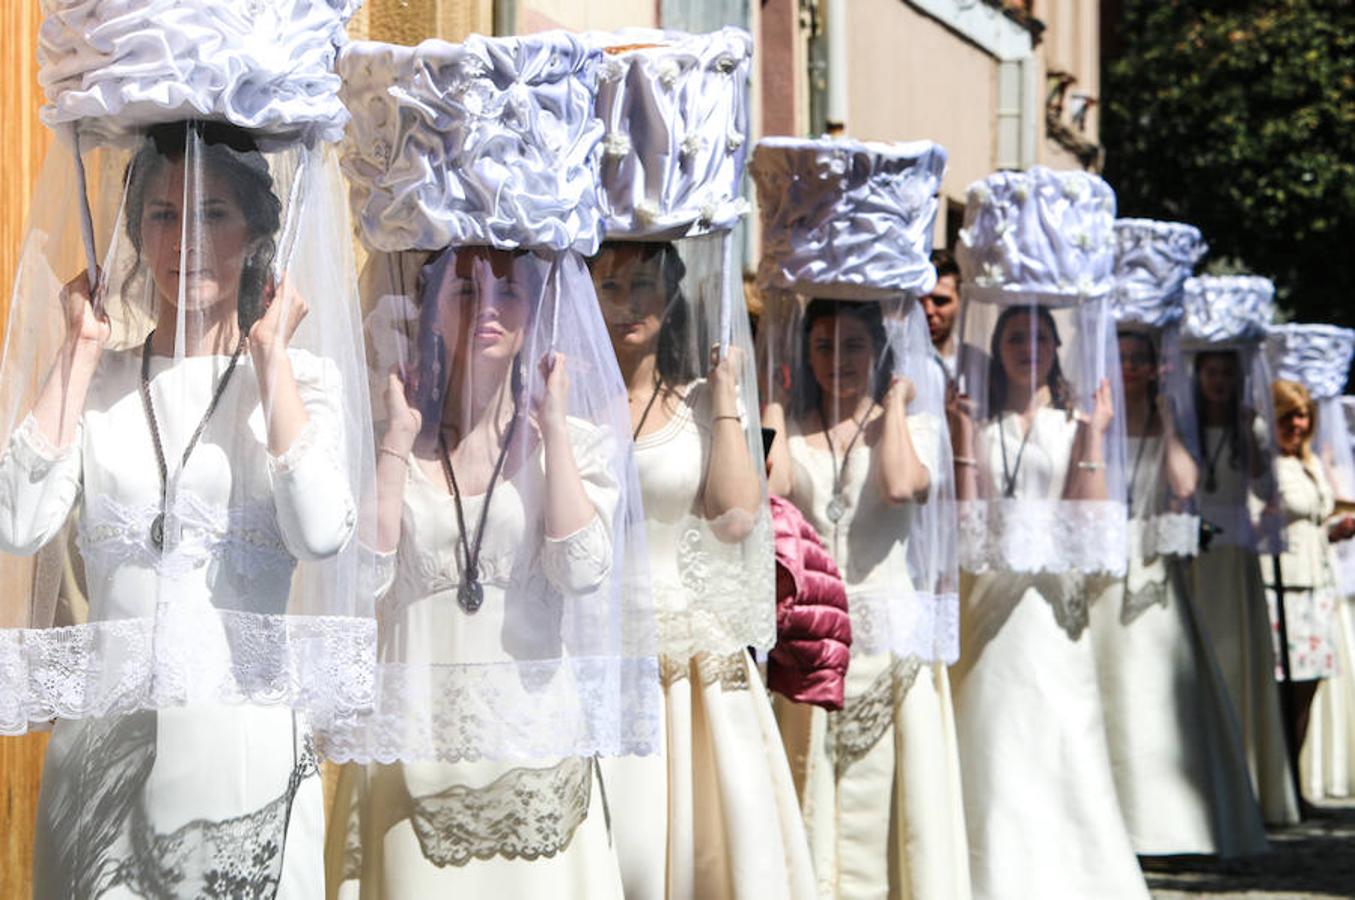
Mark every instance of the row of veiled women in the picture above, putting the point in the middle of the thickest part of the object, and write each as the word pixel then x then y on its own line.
pixel 489 524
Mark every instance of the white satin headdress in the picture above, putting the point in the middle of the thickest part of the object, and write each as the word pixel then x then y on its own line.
pixel 489 142
pixel 1316 356
pixel 675 111
pixel 111 67
pixel 1226 310
pixel 1038 235
pixel 1152 262
pixel 847 219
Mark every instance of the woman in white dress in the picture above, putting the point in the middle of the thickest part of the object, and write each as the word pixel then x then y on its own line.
pixel 861 451
pixel 1306 570
pixel 507 522
pixel 1222 332
pixel 1039 476
pixel 714 814
pixel 1318 357
pixel 482 489
pixel 205 455
pixel 1175 747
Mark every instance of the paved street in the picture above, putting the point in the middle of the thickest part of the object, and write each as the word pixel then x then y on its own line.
pixel 1315 859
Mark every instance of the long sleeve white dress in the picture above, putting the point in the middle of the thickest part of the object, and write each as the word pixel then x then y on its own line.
pixel 1229 592
pixel 1040 804
pixel 476 828
pixel 715 816
pixel 879 782
pixel 214 797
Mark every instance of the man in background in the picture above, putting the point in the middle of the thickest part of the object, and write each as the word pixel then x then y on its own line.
pixel 942 307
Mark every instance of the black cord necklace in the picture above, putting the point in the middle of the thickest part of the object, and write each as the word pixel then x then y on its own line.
pixel 653 395
pixel 158 523
pixel 1009 477
pixel 1211 482
pixel 470 594
pixel 837 504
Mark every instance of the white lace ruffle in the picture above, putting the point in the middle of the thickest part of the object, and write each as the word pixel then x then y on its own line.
pixel 267 65
pixel 518 710
pixel 725 599
pixel 1039 535
pixel 186 653
pixel 1168 534
pixel 924 627
pixel 36 455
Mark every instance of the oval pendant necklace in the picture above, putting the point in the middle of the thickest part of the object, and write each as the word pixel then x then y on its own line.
pixel 837 504
pixel 157 530
pixel 470 593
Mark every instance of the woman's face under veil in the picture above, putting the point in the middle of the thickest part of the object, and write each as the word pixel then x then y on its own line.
pixel 630 287
pixel 483 307
pixel 842 356
pixel 1026 349
pixel 1217 375
pixel 194 237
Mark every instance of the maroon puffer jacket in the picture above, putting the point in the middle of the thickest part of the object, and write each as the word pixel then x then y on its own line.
pixel 813 631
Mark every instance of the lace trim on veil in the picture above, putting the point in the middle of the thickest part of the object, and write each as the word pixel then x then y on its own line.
pixel 1038 535
pixel 191 653
pixel 520 709
pixel 918 626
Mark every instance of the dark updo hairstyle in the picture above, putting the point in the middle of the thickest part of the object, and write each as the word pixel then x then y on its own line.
pixel 230 152
pixel 674 359
pixel 866 312
pixel 1234 411
pixel 432 356
pixel 1060 394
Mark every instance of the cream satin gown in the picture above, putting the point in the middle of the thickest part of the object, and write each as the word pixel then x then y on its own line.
pixel 716 815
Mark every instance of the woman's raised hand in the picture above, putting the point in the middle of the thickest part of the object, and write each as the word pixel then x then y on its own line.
pixel 403 422
pixel 724 379
pixel 553 406
pixel 283 311
pixel 86 328
pixel 1103 408
pixel 901 390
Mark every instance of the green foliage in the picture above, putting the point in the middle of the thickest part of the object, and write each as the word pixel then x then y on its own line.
pixel 1238 116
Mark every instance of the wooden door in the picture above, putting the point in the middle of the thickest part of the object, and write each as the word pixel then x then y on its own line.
pixel 25 142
